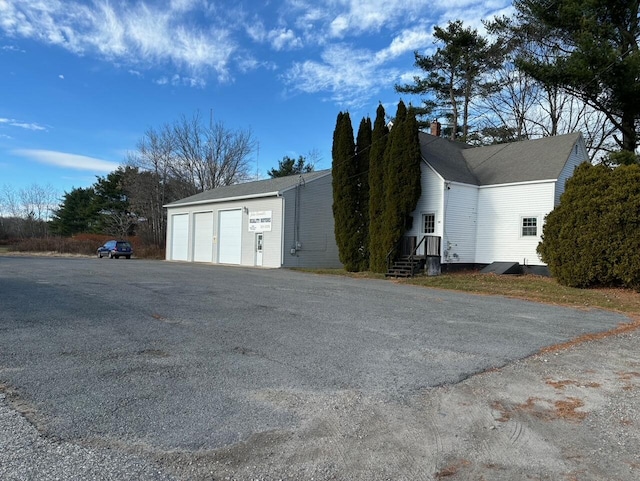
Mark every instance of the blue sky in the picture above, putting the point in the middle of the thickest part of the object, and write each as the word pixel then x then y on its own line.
pixel 81 80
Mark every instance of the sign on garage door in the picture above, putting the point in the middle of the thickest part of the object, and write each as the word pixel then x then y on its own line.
pixel 203 237
pixel 180 237
pixel 230 248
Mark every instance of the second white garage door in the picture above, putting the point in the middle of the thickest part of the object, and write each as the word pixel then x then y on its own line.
pixel 203 237
pixel 230 247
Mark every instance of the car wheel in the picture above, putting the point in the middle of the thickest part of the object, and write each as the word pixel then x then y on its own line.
pixel 99 255
pixel 110 255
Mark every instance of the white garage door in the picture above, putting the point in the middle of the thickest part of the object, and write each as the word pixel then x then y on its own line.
pixel 180 237
pixel 230 236
pixel 203 237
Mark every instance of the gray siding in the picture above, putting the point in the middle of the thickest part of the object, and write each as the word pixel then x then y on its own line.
pixel 578 156
pixel 308 226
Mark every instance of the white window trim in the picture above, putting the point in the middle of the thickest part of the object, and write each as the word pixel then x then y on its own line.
pixel 522 226
pixel 435 223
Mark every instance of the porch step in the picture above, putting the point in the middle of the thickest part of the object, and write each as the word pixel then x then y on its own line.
pixel 406 267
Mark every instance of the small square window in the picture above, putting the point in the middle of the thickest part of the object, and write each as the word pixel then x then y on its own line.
pixel 529 226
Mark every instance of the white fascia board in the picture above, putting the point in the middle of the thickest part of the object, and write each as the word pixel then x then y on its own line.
pixel 225 199
pixel 464 184
pixel 527 182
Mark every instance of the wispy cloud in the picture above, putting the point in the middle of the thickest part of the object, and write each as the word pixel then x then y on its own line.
pixel 137 33
pixel 189 42
pixel 66 160
pixel 284 38
pixel 10 48
pixel 353 75
pixel 21 124
pixel 350 76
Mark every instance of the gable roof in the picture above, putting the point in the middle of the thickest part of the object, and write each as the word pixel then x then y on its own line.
pixel 248 190
pixel 527 160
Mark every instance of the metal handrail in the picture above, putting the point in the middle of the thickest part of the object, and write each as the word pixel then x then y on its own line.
pixel 432 248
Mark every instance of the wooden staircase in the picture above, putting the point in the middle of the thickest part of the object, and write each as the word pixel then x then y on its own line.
pixel 406 266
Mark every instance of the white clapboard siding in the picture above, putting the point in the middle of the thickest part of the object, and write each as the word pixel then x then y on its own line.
pixel 499 228
pixel 461 217
pixel 430 201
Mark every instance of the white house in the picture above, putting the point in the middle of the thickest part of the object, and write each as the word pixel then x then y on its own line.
pixel 483 204
pixel 281 222
pixel 488 204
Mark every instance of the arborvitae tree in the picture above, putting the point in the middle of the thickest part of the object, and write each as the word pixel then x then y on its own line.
pixel 409 172
pixel 593 236
pixel 363 148
pixel 345 193
pixel 393 213
pixel 379 139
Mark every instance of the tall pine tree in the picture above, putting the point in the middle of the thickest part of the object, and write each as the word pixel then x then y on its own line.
pixel 376 191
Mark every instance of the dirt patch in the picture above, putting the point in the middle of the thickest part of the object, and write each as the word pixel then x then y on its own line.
pixel 621 329
pixel 558 415
pixel 564 383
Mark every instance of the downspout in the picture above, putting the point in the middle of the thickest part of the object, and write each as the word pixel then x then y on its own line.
pixel 296 218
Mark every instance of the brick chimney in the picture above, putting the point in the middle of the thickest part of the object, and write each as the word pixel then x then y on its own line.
pixel 436 128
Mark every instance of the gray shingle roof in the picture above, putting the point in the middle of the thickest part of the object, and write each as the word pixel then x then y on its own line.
pixel 245 190
pixel 446 157
pixel 528 160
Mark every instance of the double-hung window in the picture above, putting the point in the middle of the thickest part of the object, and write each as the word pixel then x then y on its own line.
pixel 529 226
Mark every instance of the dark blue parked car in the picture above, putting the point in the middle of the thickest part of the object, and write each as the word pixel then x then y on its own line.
pixel 116 249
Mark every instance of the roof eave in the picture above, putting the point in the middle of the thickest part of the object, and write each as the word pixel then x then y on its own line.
pixel 224 199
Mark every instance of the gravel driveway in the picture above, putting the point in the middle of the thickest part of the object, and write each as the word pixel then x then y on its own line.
pixel 155 370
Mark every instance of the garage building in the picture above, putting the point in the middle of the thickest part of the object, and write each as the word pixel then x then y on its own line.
pixel 281 222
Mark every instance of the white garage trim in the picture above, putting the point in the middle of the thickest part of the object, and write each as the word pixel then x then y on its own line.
pixel 230 237
pixel 180 237
pixel 203 237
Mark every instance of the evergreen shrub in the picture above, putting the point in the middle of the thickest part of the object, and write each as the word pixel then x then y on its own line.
pixel 593 237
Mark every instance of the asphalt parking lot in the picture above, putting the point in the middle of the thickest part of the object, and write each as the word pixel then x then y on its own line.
pixel 159 370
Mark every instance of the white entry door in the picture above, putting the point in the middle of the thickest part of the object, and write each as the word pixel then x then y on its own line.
pixel 259 247
pixel 203 237
pixel 230 237
pixel 428 228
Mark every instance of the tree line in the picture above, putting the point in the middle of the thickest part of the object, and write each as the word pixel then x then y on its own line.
pixel 552 67
pixel 169 163
pixel 25 212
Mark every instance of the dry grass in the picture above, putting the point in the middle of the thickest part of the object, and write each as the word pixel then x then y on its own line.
pixel 528 287
pixel 535 288
pixel 78 245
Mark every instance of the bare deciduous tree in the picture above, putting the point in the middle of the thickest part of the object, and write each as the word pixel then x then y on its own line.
pixel 210 157
pixel 30 207
pixel 179 160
